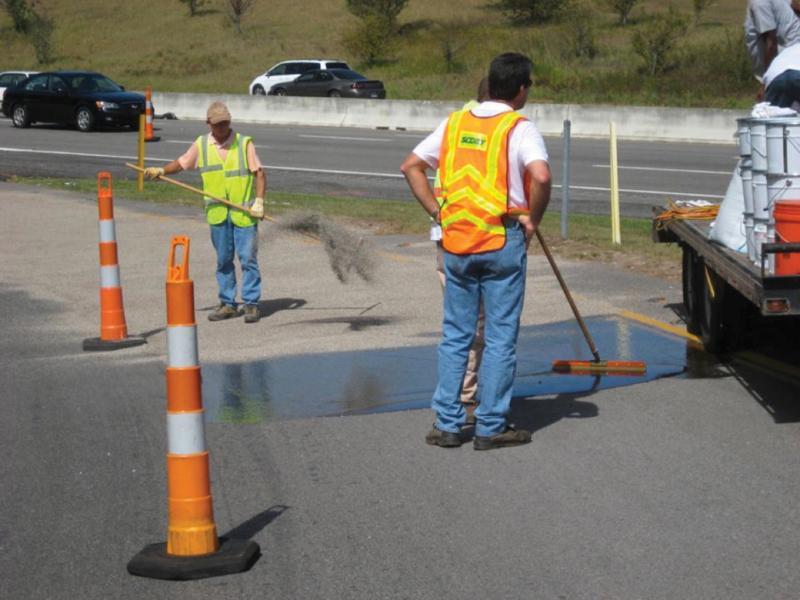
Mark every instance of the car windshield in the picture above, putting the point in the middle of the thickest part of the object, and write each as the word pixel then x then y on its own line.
pixel 87 84
pixel 347 74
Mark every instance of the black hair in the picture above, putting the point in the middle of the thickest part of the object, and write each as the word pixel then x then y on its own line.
pixel 507 74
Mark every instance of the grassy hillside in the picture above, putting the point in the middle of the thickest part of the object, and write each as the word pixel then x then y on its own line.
pixel 156 43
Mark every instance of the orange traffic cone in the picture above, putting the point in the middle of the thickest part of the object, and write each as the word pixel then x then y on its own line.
pixel 192 549
pixel 113 329
pixel 148 122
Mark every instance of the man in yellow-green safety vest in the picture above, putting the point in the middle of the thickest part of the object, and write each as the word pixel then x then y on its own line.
pixel 231 170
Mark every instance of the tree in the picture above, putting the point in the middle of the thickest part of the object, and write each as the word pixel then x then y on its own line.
pixel 20 12
pixel 580 30
pixel 530 12
pixel 40 34
pixel 388 9
pixel 656 41
pixel 372 40
pixel 193 6
pixel 236 10
pixel 622 7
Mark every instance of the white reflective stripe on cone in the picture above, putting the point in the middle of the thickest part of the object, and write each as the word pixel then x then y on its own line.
pixel 107 232
pixel 109 277
pixel 182 346
pixel 185 433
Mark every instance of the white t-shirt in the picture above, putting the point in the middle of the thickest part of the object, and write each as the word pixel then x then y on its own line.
pixel 769 15
pixel 788 59
pixel 525 145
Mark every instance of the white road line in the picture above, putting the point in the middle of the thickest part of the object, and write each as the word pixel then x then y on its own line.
pixel 334 137
pixel 728 173
pixel 359 173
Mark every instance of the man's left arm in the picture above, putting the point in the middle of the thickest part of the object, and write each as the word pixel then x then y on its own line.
pixel 257 210
pixel 539 173
pixel 414 169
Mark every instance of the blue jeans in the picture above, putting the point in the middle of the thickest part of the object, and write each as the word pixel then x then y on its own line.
pixel 226 238
pixel 498 277
pixel 784 89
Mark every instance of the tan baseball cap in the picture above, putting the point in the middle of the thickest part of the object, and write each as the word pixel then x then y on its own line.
pixel 217 113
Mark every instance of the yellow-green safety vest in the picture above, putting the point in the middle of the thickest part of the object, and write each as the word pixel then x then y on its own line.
pixel 231 180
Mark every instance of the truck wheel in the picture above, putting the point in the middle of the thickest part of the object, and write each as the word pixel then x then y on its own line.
pixel 711 322
pixel 691 290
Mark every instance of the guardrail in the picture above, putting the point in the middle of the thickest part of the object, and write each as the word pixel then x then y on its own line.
pixel 632 122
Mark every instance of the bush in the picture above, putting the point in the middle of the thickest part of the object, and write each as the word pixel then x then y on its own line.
pixel 372 40
pixel 530 12
pixel 20 12
pixel 387 9
pixel 655 42
pixel 580 31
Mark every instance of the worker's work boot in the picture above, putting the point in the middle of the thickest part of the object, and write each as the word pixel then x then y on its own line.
pixel 510 437
pixel 223 312
pixel 251 314
pixel 445 439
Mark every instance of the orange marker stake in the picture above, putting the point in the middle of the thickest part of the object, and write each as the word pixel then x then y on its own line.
pixel 113 328
pixel 192 549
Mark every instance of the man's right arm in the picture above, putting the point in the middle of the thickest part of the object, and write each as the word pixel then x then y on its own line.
pixel 186 162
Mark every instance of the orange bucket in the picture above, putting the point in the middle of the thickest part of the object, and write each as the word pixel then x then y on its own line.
pixel 787 231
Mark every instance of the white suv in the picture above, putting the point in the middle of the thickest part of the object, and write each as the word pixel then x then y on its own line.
pixel 290 70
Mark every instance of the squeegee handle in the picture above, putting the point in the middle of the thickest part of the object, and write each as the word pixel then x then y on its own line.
pixel 572 304
pixel 190 188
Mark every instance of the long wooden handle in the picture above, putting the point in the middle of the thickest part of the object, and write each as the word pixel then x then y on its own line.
pixel 190 188
pixel 572 304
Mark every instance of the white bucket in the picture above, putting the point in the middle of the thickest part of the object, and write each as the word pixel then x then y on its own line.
pixel 783 146
pixel 778 188
pixel 743 134
pixel 748 234
pixel 771 240
pixel 758 144
pixel 760 196
pixel 746 173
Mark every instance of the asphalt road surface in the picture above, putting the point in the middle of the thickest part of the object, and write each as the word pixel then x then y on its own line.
pixel 365 163
pixel 681 484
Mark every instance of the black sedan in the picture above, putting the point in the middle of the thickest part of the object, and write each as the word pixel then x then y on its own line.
pixel 334 83
pixel 83 98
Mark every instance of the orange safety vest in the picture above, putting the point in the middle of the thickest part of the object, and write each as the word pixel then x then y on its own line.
pixel 473 161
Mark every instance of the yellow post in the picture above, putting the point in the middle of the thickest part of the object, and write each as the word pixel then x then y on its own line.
pixel 140 176
pixel 616 236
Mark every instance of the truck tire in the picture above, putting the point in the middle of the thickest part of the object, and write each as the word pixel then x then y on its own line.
pixel 691 289
pixel 712 330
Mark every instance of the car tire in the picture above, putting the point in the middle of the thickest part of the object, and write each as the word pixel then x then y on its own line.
pixel 20 116
pixel 334 94
pixel 84 119
pixel 280 92
pixel 259 91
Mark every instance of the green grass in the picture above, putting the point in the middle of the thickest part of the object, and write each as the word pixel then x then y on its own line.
pixel 155 43
pixel 589 236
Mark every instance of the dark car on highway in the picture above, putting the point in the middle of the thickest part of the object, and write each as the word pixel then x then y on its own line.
pixel 81 98
pixel 334 83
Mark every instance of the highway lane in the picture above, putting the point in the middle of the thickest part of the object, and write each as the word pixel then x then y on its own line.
pixel 365 163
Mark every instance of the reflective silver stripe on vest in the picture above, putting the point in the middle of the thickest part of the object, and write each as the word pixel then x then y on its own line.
pixel 210 202
pixel 109 277
pixel 182 346
pixel 211 168
pixel 185 433
pixel 107 232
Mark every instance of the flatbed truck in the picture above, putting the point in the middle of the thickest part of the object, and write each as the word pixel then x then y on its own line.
pixel 726 296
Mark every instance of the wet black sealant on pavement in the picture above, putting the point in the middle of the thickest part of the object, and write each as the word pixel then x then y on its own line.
pixel 392 379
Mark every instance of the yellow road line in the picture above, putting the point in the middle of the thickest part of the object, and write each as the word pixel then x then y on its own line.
pixel 660 325
pixel 748 356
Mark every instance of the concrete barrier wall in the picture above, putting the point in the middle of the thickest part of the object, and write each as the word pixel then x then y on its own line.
pixel 633 123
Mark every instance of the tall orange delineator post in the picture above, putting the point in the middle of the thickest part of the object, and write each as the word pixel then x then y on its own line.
pixel 113 329
pixel 192 549
pixel 148 112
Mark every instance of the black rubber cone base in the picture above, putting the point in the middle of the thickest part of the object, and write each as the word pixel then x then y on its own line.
pixel 98 345
pixel 233 556
pixel 153 139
